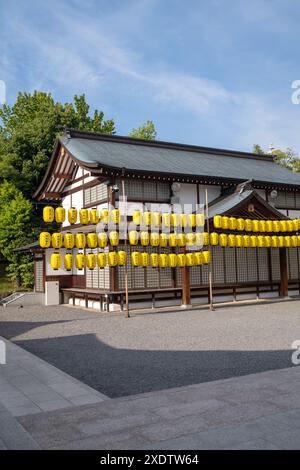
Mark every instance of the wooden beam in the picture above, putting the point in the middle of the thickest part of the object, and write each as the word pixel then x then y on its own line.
pixel 52 195
pixel 186 285
pixel 284 278
pixel 62 176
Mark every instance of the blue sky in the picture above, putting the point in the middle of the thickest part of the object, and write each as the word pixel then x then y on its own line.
pixel 215 73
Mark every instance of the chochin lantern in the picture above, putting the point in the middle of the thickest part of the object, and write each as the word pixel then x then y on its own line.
pixel 48 214
pixel 55 261
pixel 60 215
pixel 45 239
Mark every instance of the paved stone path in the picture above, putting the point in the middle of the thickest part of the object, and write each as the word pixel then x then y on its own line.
pixel 259 411
pixel 30 385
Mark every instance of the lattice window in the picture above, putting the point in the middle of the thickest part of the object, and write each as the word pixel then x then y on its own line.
pixel 287 200
pixel 275 264
pixel 97 278
pixel 195 276
pixel 263 264
pixel 204 274
pixel 218 265
pixel 163 191
pixel 146 190
pixel 252 264
pixel 39 275
pixel 293 263
pixel 230 265
pixel 150 191
pixel 178 277
pixel 297 201
pixel 241 264
pixel 95 194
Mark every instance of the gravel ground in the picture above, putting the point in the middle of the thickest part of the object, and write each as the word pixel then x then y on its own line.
pixel 148 352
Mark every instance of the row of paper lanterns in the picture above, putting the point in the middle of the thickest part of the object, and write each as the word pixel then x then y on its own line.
pixel 253 241
pixel 147 218
pixel 249 225
pixel 119 258
pixel 93 240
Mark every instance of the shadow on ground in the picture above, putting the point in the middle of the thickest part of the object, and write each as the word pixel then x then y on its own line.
pixel 120 372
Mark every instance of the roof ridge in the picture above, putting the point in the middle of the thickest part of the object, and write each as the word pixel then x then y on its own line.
pixel 89 135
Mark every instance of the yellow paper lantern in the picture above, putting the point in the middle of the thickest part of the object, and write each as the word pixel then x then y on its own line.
pixel 173 240
pixel 239 241
pixel 289 225
pixel 198 258
pixel 214 238
pixel 144 259
pixel 69 240
pixel 294 241
pixel 72 215
pixel 154 239
pixel 172 260
pixel 163 240
pixel 115 216
pixel 92 240
pixel 181 260
pixel 287 241
pixel 55 261
pixel 145 238
pixel 48 214
pixel 122 258
pixel 262 225
pixel 269 225
pixel 200 220
pixel 112 258
pixel 232 223
pixel 114 238
pixel 45 240
pixel 223 239
pixel 206 257
pixel 248 225
pixel 295 225
pixel 104 216
pixel 283 227
pixel 275 226
pixel 217 220
pixel 225 222
pixel 181 239
pixel 281 242
pixel 175 220
pixel 253 241
pixel 298 240
pixel 94 216
pixel 162 260
pixel 255 225
pixel 80 240
pixel 268 241
pixel 147 218
pixel 84 216
pixel 190 259
pixel 261 241
pixel 274 241
pixel 240 224
pixel 136 217
pixel 231 241
pixel 191 220
pixel 154 260
pixel 102 239
pixel 68 261
pixel 190 238
pixel 60 215
pixel 166 220
pixel 155 219
pixel 91 261
pixel 80 261
pixel 101 260
pixel 56 240
pixel 135 258
pixel 133 237
pixel 199 238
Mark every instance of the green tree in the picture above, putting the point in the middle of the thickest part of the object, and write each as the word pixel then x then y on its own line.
pixel 257 149
pixel 16 215
pixel 28 130
pixel 147 131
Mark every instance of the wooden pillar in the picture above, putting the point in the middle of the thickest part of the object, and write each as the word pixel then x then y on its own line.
pixel 113 270
pixel 186 285
pixel 284 278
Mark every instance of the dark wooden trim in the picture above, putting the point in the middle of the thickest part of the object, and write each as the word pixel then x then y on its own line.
pixel 284 278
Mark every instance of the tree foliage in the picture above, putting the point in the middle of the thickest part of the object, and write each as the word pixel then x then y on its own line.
pixel 147 131
pixel 28 130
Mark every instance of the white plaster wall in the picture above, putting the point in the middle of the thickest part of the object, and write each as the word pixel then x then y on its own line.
pixel 188 196
pixel 213 192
